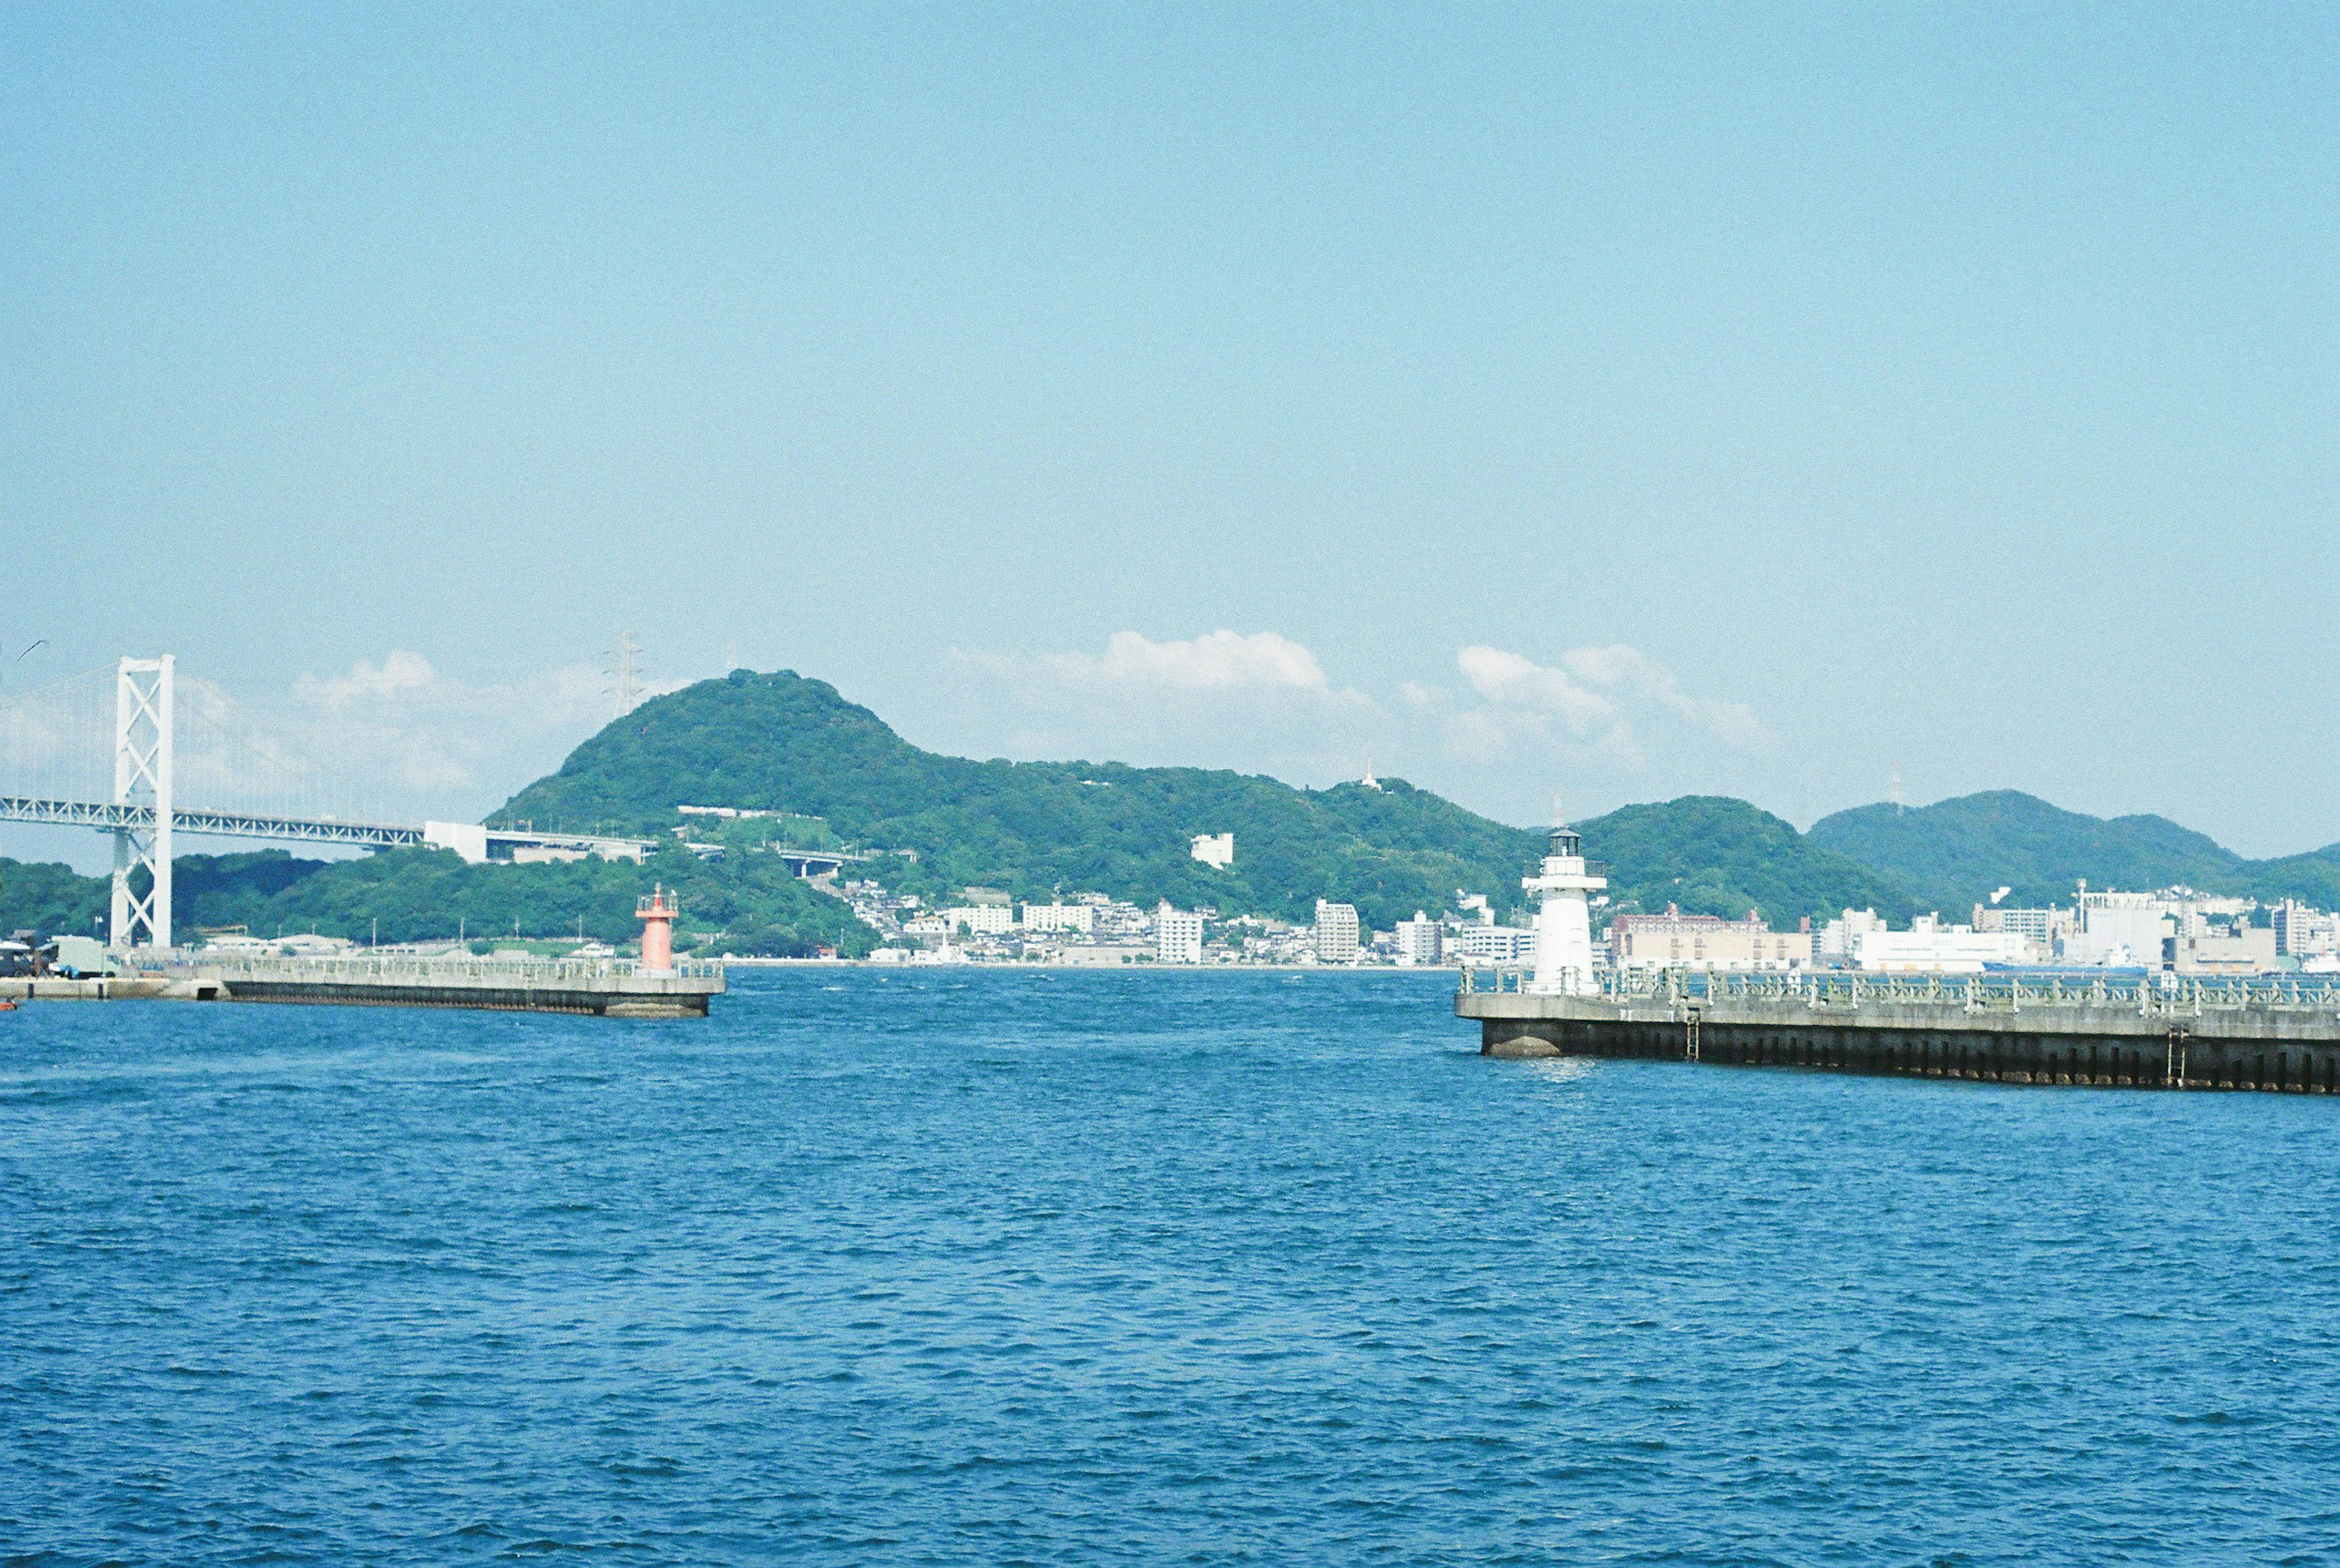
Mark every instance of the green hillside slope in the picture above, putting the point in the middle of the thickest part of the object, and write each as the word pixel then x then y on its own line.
pixel 47 898
pixel 934 825
pixel 1955 853
pixel 742 905
pixel 1716 855
pixel 782 743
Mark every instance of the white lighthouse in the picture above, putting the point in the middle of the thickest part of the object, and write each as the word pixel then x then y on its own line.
pixel 1563 944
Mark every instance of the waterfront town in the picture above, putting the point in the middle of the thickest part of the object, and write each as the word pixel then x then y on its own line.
pixel 2175 930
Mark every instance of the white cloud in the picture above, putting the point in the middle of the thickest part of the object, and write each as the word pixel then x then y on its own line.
pixel 1255 701
pixel 1583 702
pixel 397 674
pixel 1222 668
pixel 1509 681
pixel 1627 670
pixel 421 732
pixel 1222 660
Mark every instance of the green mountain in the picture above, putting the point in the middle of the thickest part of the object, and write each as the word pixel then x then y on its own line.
pixel 1955 853
pixel 1715 856
pixel 837 777
pixel 780 742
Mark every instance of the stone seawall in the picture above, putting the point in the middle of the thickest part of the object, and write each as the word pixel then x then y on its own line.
pixel 2099 1048
pixel 544 1000
pixel 601 987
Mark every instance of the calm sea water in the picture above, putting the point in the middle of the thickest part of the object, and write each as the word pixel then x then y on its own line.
pixel 1130 1268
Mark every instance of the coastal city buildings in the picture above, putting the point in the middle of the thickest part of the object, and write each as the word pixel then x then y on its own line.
pixel 2178 931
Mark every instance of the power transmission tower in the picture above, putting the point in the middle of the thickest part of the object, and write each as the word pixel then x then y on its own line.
pixel 626 672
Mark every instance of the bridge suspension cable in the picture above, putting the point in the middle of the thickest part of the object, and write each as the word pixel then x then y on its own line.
pixel 142 754
pixel 145 753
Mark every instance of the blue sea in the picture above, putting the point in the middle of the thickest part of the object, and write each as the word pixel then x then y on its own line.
pixel 967 1267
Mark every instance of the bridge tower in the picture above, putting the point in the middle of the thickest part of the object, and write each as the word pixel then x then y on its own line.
pixel 1563 938
pixel 143 699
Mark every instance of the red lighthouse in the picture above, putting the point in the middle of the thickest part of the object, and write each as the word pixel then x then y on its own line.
pixel 657 915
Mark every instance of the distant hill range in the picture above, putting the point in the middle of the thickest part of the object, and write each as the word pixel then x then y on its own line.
pixel 934 825
pixel 783 742
pixel 780 742
pixel 1954 854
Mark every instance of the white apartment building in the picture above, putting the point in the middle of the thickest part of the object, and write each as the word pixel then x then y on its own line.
pixel 2121 929
pixel 1217 851
pixel 1337 933
pixel 2301 932
pixel 1838 936
pixel 1177 935
pixel 982 919
pixel 2043 929
pixel 1475 944
pixel 1081 917
pixel 1418 941
pixel 1931 947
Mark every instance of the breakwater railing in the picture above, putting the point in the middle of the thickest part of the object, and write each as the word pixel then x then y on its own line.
pixel 360 970
pixel 2171 996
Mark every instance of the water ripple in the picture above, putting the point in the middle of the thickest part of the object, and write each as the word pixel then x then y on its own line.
pixel 1104 1269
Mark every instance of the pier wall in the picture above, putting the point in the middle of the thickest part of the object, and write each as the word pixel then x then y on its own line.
pixel 602 988
pixel 2107 1047
pixel 498 999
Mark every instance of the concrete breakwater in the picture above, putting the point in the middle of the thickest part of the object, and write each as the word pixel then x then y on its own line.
pixel 2131 1034
pixel 58 989
pixel 606 987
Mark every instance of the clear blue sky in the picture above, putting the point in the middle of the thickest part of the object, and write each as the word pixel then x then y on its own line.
pixel 1630 401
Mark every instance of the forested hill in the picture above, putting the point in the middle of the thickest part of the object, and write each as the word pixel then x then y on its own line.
pixel 782 743
pixel 1714 855
pixel 935 824
pixel 1955 853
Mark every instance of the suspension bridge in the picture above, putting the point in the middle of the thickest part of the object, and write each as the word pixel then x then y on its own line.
pixel 143 753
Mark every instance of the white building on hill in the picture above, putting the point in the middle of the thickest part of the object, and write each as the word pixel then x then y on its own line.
pixel 1081 917
pixel 982 919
